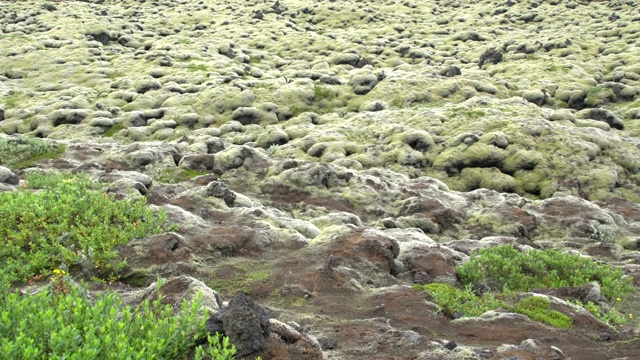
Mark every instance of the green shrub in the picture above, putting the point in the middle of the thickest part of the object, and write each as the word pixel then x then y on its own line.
pixel 18 153
pixel 612 316
pixel 454 302
pixel 504 268
pixel 62 323
pixel 68 223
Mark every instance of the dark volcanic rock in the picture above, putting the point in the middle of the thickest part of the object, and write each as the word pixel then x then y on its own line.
pixel 244 322
pixel 492 56
pixel 68 116
pixel 221 190
pixel 451 71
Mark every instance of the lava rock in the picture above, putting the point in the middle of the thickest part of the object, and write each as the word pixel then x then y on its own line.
pixel 244 322
pixel 221 190
pixel 451 71
pixel 492 56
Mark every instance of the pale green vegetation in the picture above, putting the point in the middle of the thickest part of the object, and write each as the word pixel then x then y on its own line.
pixel 177 175
pixel 18 153
pixel 113 130
pixel 242 277
pixel 197 67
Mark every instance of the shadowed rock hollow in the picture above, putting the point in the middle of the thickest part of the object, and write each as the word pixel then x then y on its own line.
pixel 322 157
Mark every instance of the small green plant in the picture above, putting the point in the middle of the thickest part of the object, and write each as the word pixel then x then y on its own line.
pixel 61 322
pixel 23 152
pixel 454 302
pixel 504 268
pixel 68 222
pixel 610 316
pixel 272 149
pixel 606 234
pixel 458 302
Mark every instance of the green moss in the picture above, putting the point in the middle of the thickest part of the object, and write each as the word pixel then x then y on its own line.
pixel 177 175
pixel 23 152
pixel 197 67
pixel 538 308
pixel 469 113
pixel 10 101
pixel 492 222
pixel 397 103
pixel 546 232
pixel 598 95
pixel 138 278
pixel 113 130
pixel 239 277
pixel 558 68
pixel 321 92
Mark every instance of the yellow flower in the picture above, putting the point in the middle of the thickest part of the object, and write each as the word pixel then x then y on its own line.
pixel 59 272
pixel 630 316
pixel 618 299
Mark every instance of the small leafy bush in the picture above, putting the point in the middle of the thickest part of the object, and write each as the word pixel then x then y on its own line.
pixel 455 302
pixel 504 268
pixel 64 221
pixel 612 316
pixel 458 302
pixel 22 152
pixel 64 324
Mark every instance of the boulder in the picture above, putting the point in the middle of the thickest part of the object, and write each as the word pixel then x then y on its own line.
pixel 491 56
pixel 7 176
pixel 244 322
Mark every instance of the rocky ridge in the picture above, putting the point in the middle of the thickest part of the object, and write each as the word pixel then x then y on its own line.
pixel 323 157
